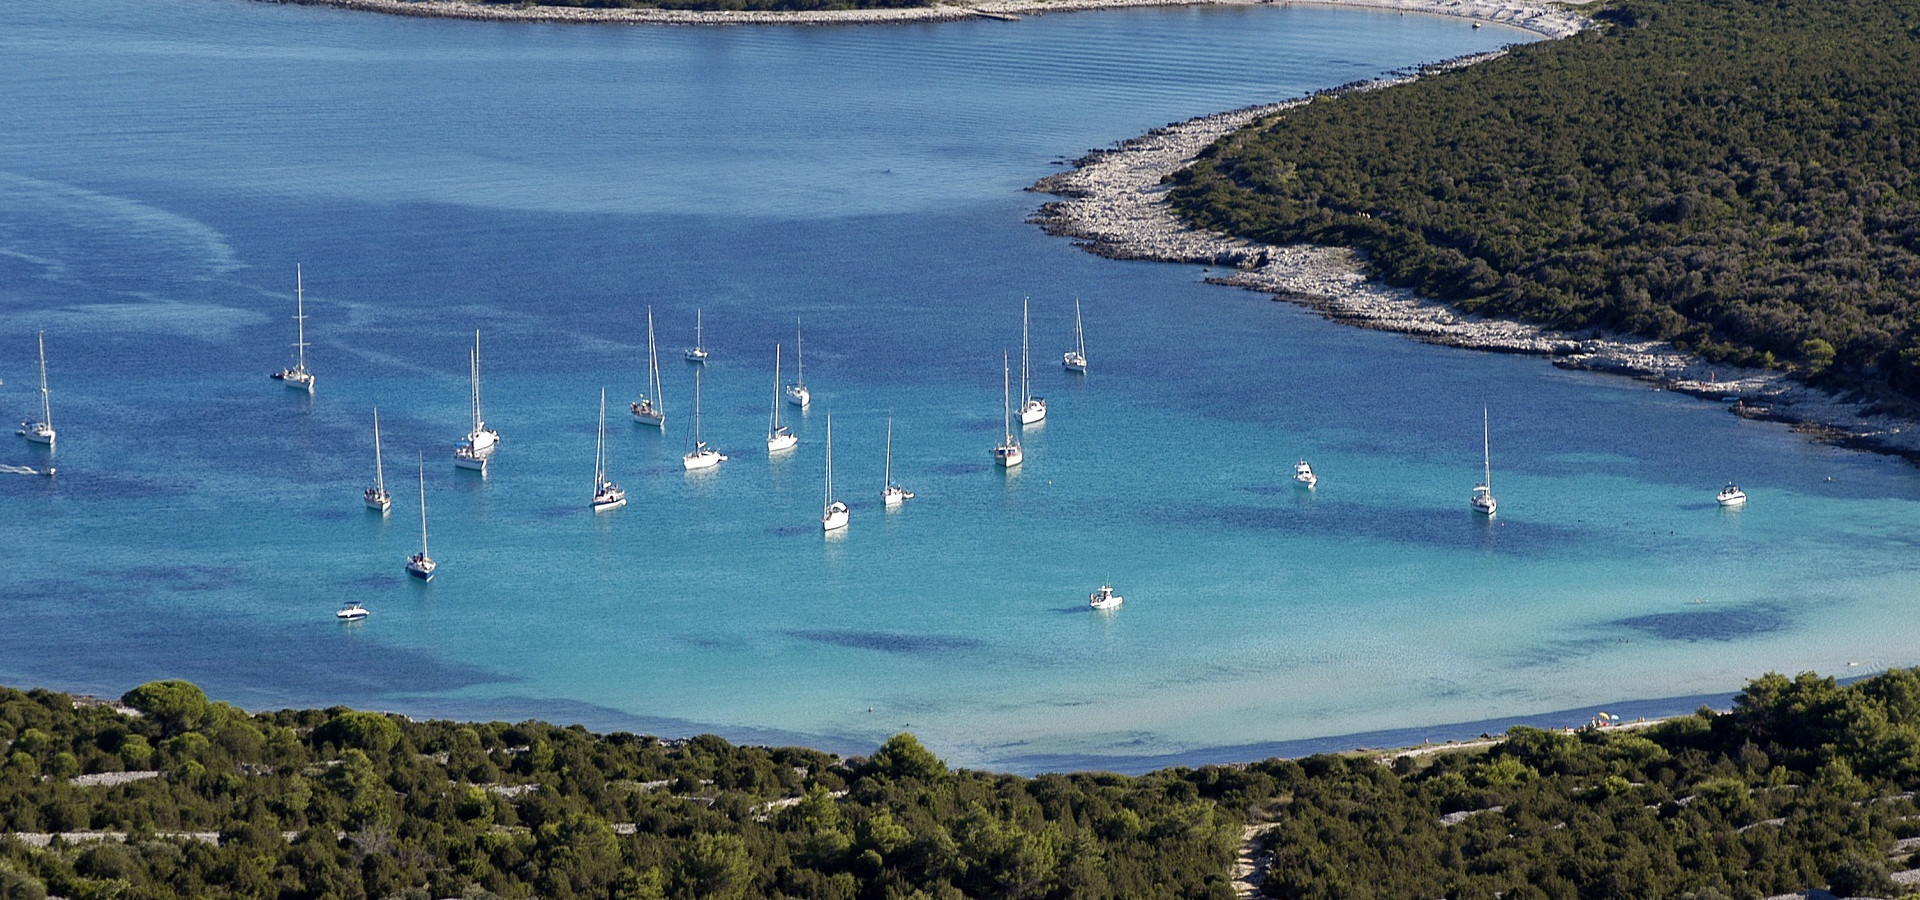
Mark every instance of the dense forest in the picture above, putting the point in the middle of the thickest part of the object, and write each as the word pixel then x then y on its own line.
pixel 1735 176
pixel 715 5
pixel 1805 783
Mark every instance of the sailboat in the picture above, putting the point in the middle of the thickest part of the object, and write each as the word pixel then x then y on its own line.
pixel 1075 360
pixel 895 494
pixel 780 438
pixel 474 452
pixel 1032 409
pixel 797 393
pixel 1008 453
pixel 377 497
pixel 648 410
pixel 298 377
pixel 606 494
pixel 701 456
pixel 836 513
pixel 698 352
pixel 41 432
pixel 420 565
pixel 1483 502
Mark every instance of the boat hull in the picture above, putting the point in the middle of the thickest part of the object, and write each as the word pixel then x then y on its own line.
pixel 895 496
pixel 1486 508
pixel 421 571
pixel 1073 362
pixel 646 415
pixel 37 433
pixel 601 506
pixel 1008 457
pixel 378 501
pixel 836 517
pixel 299 381
pixel 1739 500
pixel 782 442
pixel 1034 412
pixel 702 459
pixel 696 356
pixel 470 462
pixel 799 396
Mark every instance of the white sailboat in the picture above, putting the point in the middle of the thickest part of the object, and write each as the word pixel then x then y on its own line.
pixel 474 452
pixel 698 352
pixel 1303 474
pixel 895 494
pixel 701 456
pixel 1483 502
pixel 41 432
pixel 606 494
pixel 835 514
pixel 298 377
pixel 1105 598
pixel 780 438
pixel 1032 409
pixel 1075 360
pixel 377 497
pixel 649 410
pixel 797 393
pixel 1008 453
pixel 420 565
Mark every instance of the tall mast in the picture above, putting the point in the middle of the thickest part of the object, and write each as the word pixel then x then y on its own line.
pixel 774 425
pixel 889 483
pixel 699 329
pixel 696 409
pixel 600 445
pixel 46 402
pixel 1079 335
pixel 379 472
pixel 474 364
pixel 799 357
pixel 1026 392
pixel 653 367
pixel 423 503
pixel 1006 393
pixel 300 319
pixel 1486 438
pixel 828 503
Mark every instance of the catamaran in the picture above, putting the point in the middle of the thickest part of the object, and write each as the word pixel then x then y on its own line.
pixel 1075 360
pixel 1303 474
pixel 895 494
pixel 606 494
pixel 648 410
pixel 1483 502
pixel 698 352
pixel 797 393
pixel 1032 409
pixel 701 456
pixel 420 565
pixel 41 432
pixel 1008 453
pixel 298 377
pixel 836 513
pixel 474 452
pixel 780 438
pixel 377 497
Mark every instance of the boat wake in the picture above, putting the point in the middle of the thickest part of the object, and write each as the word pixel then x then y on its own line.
pixel 24 470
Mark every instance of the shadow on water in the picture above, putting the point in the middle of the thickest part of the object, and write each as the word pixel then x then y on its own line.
pixel 1445 528
pixel 1711 623
pixel 891 642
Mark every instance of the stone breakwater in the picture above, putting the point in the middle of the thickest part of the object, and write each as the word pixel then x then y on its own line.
pixel 1117 207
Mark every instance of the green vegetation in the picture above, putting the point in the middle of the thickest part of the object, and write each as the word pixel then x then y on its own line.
pixel 1735 176
pixel 715 5
pixel 1805 783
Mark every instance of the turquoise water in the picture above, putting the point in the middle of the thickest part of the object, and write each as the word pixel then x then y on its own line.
pixel 164 165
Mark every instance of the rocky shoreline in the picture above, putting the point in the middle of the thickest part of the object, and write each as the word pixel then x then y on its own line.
pixel 1543 20
pixel 1117 207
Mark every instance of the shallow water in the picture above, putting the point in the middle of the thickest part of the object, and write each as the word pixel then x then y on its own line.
pixel 546 184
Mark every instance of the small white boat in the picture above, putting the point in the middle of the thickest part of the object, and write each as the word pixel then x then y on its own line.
pixel 1732 495
pixel 1482 500
pixel 698 352
pixel 1033 409
pixel 377 496
pixel 42 432
pixel 606 494
pixel 298 377
pixel 780 438
pixel 420 565
pixel 894 494
pixel 1007 454
pixel 701 456
pixel 352 612
pixel 474 452
pixel 648 410
pixel 797 393
pixel 1105 598
pixel 1303 474
pixel 835 514
pixel 1075 360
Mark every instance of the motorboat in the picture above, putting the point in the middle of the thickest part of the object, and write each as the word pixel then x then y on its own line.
pixel 1105 598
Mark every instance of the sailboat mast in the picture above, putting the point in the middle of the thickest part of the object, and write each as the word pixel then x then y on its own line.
pixel 889 483
pixel 699 329
pixel 774 424
pixel 474 364
pixel 827 504
pixel 46 401
pixel 1486 440
pixel 300 318
pixel 1079 334
pixel 379 472
pixel 653 367
pixel 1026 392
pixel 600 445
pixel 799 356
pixel 1006 393
pixel 696 409
pixel 423 503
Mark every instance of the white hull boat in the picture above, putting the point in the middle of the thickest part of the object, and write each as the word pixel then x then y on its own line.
pixel 835 514
pixel 1075 360
pixel 780 438
pixel 1105 598
pixel 649 410
pixel 698 352
pixel 420 565
pixel 377 497
pixel 701 456
pixel 352 612
pixel 42 432
pixel 1008 454
pixel 1482 500
pixel 1303 474
pixel 893 495
pixel 1033 410
pixel 298 377
pixel 606 494
pixel 797 393
pixel 1732 495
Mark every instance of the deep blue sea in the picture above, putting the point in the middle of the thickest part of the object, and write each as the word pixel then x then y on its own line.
pixel 165 165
